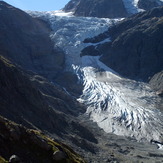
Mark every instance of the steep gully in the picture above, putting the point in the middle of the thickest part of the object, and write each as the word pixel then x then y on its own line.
pixel 118 105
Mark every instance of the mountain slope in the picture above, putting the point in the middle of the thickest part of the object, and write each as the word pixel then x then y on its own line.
pixel 117 105
pixel 38 104
pixel 109 8
pixel 135 50
pixel 26 41
pixel 32 145
pixel 22 101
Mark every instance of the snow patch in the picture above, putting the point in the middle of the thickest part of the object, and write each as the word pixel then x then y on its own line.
pixel 61 13
pixel 132 6
pixel 101 42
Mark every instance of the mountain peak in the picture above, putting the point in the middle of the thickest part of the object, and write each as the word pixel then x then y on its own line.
pixel 109 8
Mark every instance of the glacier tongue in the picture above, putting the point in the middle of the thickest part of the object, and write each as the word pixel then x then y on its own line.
pixel 118 105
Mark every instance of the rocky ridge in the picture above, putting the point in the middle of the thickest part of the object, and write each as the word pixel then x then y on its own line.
pixel 96 8
pixel 109 8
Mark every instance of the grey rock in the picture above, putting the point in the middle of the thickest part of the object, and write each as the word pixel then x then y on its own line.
pixel 97 8
pixel 106 8
pixel 14 159
pixel 59 156
pixel 156 83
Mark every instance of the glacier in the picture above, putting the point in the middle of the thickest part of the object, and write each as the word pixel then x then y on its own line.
pixel 118 105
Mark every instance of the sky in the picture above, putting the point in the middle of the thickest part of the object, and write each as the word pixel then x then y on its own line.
pixel 38 5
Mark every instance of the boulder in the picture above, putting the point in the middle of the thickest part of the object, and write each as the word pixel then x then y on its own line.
pixel 25 40
pixel 14 159
pixel 59 156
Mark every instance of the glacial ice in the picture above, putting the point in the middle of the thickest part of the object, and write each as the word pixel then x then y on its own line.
pixel 118 105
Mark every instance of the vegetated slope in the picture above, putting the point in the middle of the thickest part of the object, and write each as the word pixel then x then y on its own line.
pixel 135 50
pixel 109 8
pixel 32 146
pixel 26 41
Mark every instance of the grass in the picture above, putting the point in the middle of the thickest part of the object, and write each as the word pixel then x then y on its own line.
pixel 72 156
pixel 6 61
pixel 2 160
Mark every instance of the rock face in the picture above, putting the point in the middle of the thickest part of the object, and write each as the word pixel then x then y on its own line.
pixel 97 8
pixel 26 41
pixel 149 4
pixel 108 8
pixel 14 159
pixel 156 83
pixel 71 5
pixel 136 47
pixel 28 98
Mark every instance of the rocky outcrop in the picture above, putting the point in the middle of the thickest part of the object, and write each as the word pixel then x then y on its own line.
pixel 25 40
pixel 156 83
pixel 26 145
pixel 14 159
pixel 136 48
pixel 97 8
pixel 71 5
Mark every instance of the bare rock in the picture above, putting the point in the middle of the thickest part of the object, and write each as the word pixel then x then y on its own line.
pixel 97 8
pixel 14 159
pixel 59 156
